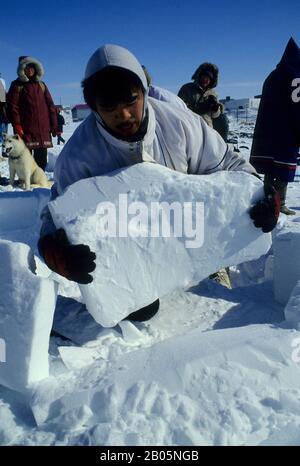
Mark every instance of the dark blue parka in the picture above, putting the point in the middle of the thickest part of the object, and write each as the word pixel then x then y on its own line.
pixel 276 139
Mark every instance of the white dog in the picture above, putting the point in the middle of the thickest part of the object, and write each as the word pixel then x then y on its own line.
pixel 22 163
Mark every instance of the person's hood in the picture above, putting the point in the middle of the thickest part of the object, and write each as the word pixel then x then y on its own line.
pixel 290 60
pixel 38 67
pixel 114 55
pixel 211 70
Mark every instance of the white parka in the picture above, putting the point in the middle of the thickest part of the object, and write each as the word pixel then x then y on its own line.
pixel 175 137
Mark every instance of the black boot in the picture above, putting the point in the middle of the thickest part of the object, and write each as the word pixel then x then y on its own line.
pixel 285 210
pixel 145 313
pixel 281 187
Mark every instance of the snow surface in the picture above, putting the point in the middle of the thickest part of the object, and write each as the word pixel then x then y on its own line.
pixel 286 244
pixel 134 270
pixel 213 367
pixel 292 309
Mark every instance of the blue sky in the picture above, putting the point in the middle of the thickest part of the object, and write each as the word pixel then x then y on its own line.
pixel 245 39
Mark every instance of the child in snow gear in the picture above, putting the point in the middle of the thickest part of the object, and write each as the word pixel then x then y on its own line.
pixel 276 138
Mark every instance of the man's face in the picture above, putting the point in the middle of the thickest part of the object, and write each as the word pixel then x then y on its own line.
pixel 124 118
pixel 29 71
pixel 204 81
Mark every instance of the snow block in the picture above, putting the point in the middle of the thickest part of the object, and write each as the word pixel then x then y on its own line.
pixel 134 267
pixel 286 245
pixel 292 309
pixel 27 304
pixel 21 209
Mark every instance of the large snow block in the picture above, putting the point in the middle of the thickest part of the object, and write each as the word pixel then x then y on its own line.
pixel 286 245
pixel 292 309
pixel 124 216
pixel 27 304
pixel 21 209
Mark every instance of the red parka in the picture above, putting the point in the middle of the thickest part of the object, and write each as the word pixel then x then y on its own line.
pixel 31 107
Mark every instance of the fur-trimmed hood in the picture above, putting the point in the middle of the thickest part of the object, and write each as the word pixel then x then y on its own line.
pixel 22 65
pixel 210 69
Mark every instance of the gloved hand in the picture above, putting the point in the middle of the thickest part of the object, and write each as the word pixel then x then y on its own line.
pixel 213 103
pixel 19 130
pixel 265 213
pixel 74 262
pixel 209 104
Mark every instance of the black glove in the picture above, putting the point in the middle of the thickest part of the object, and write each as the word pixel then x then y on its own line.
pixel 265 213
pixel 210 104
pixel 213 103
pixel 74 262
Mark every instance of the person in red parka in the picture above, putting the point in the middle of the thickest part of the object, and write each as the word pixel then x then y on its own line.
pixel 31 109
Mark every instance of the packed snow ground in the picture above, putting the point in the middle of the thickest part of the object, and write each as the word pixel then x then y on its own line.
pixel 213 367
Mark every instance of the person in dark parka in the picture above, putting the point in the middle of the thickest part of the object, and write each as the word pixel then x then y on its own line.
pixel 221 123
pixel 60 127
pixel 31 109
pixel 3 115
pixel 276 138
pixel 199 95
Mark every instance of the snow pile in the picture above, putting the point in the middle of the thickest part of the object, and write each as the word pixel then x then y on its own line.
pixel 225 387
pixel 21 209
pixel 133 266
pixel 292 309
pixel 286 246
pixel 27 304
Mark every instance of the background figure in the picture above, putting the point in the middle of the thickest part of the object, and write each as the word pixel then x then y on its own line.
pixel 31 109
pixel 276 138
pixel 220 123
pixel 60 129
pixel 3 116
pixel 199 95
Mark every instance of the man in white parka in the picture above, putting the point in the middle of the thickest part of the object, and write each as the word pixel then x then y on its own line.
pixel 127 127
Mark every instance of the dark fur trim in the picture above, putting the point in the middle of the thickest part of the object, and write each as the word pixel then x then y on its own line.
pixel 207 68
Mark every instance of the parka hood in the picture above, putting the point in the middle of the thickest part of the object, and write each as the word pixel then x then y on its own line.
pixel 210 69
pixel 290 60
pixel 22 65
pixel 115 55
